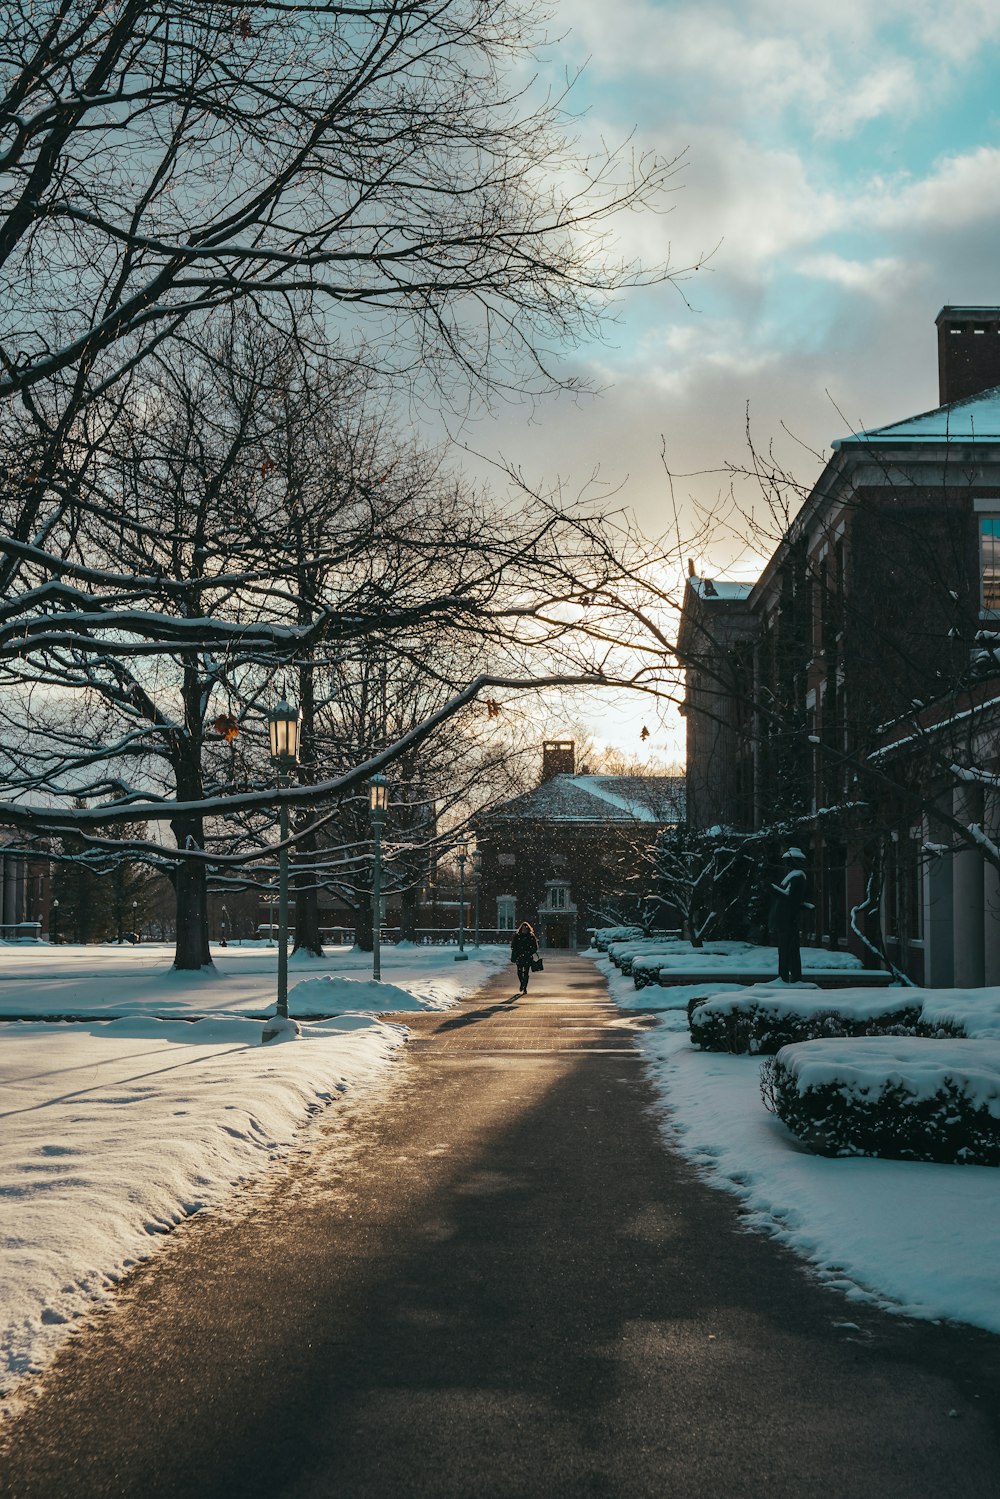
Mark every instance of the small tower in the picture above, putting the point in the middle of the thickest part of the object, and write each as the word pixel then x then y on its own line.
pixel 558 758
pixel 968 351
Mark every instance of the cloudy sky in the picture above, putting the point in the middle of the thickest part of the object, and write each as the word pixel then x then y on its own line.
pixel 845 161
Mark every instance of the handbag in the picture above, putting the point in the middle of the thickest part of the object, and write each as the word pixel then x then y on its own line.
pixel 537 965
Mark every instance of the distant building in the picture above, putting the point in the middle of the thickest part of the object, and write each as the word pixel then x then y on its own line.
pixel 25 890
pixel 570 854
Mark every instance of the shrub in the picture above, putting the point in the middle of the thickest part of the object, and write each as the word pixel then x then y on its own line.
pixel 603 936
pixel 763 1027
pixel 646 970
pixel 885 1118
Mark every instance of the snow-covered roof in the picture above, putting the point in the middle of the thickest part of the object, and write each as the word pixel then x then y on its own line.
pixel 715 588
pixel 657 800
pixel 976 418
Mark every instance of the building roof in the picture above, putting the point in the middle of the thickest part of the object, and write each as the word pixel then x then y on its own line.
pixel 657 800
pixel 976 419
pixel 710 615
pixel 716 588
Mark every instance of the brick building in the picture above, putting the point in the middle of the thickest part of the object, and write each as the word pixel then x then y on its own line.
pixel 841 671
pixel 25 895
pixel 569 854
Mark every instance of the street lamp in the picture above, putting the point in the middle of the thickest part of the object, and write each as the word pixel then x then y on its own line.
pixel 463 853
pixel 135 921
pixel 223 926
pixel 477 874
pixel 378 810
pixel 54 922
pixel 283 723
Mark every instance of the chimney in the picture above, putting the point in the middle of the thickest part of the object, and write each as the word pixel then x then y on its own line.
pixel 558 758
pixel 968 351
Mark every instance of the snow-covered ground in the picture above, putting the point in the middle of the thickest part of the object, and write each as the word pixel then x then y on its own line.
pixel 76 980
pixel 114 1131
pixel 918 1238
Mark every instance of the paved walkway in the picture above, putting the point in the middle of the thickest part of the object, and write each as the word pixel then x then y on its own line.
pixel 496 1282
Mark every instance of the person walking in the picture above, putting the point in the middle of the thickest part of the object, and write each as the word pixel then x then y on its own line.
pixel 522 952
pixel 791 895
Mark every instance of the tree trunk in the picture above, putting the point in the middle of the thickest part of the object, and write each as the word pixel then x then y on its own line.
pixel 408 915
pixel 191 951
pixel 307 933
pixel 363 933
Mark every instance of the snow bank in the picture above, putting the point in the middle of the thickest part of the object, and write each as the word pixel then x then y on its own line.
pixel 331 994
pixel 676 997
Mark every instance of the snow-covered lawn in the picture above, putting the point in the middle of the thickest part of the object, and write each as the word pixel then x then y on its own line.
pixel 919 1238
pixel 113 1131
pixel 92 981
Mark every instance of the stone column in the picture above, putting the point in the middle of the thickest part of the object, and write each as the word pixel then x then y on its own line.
pixel 11 873
pixel 939 945
pixel 991 894
pixel 967 894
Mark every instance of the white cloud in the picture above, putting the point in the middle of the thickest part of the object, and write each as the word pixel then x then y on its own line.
pixel 960 191
pixel 761 203
pixel 957 31
pixel 881 277
pixel 755 59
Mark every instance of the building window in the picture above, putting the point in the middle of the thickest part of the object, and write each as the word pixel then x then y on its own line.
pixel 558 897
pixel 506 907
pixel 989 562
pixel 506 861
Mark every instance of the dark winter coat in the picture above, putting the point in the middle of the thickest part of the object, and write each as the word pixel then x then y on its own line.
pixel 523 948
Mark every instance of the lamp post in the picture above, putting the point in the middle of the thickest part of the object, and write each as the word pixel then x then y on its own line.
pixel 283 723
pixel 54 922
pixel 477 874
pixel 135 921
pixel 223 926
pixel 463 853
pixel 378 809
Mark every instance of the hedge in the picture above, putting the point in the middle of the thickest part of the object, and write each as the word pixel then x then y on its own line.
pixel 836 1119
pixel 758 1027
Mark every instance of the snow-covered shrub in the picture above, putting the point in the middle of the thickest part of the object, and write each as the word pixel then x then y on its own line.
pixel 646 968
pixel 761 1020
pixel 601 937
pixel 915 1100
pixel 623 954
